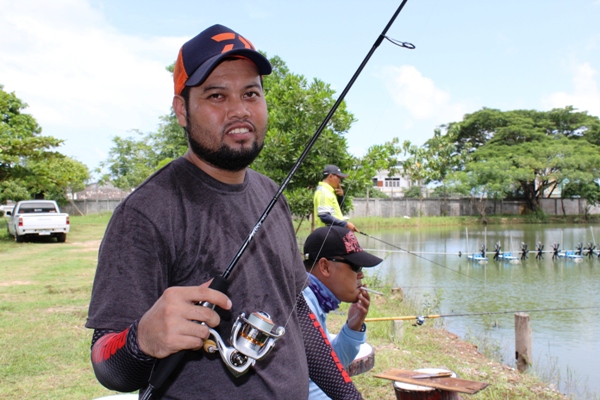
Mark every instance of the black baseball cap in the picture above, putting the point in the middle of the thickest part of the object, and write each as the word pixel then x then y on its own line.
pixel 337 241
pixel 333 170
pixel 199 56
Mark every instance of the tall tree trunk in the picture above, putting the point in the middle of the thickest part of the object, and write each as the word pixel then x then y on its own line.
pixel 480 205
pixel 531 195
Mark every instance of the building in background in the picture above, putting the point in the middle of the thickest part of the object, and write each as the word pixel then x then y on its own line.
pixel 97 191
pixel 392 186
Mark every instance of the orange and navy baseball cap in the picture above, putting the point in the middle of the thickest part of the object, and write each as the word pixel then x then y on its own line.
pixel 199 56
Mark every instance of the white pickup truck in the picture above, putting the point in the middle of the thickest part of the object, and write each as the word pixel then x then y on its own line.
pixel 37 218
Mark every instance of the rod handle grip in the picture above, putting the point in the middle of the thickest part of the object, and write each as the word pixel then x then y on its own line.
pixel 167 365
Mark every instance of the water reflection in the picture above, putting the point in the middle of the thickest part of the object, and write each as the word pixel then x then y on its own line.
pixel 565 337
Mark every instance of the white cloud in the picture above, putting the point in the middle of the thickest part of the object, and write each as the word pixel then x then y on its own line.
pixel 420 96
pixel 584 95
pixel 79 74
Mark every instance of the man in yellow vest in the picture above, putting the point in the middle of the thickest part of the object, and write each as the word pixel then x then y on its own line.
pixel 326 204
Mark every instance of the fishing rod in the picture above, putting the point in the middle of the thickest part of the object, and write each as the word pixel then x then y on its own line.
pixel 417 255
pixel 240 353
pixel 421 318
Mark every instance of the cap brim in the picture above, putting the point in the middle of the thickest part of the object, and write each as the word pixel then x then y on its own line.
pixel 200 75
pixel 363 259
pixel 342 175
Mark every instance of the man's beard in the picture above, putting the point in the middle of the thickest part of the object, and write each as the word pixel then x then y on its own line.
pixel 224 157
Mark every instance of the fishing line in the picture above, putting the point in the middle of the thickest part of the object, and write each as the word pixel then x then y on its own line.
pixel 409 317
pixel 311 143
pixel 421 257
pixel 406 45
pixel 459 253
pixel 311 268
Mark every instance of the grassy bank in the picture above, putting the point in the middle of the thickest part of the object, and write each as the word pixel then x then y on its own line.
pixel 45 288
pixel 430 346
pixel 380 222
pixel 377 223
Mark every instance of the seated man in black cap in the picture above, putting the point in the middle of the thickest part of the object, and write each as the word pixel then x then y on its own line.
pixel 327 199
pixel 334 261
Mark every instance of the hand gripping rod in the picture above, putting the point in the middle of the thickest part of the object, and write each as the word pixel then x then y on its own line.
pixel 167 365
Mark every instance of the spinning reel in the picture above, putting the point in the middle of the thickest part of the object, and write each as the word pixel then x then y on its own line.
pixel 251 339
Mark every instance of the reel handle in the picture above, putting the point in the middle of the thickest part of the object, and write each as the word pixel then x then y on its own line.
pixel 167 365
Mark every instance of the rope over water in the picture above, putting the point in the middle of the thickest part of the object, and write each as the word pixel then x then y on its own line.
pixel 431 316
pixel 421 257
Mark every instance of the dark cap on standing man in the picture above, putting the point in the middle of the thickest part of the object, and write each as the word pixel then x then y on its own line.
pixel 333 170
pixel 199 56
pixel 340 242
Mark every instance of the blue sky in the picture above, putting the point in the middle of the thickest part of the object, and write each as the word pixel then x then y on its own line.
pixel 91 70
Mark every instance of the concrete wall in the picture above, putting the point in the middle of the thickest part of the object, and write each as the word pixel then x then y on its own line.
pixel 460 207
pixel 85 207
pixel 398 207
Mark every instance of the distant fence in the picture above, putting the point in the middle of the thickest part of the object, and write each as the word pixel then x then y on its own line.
pixel 86 207
pixel 399 207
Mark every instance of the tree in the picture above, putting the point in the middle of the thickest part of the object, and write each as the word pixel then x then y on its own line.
pixel 379 157
pixel 481 181
pixel 588 190
pixel 28 166
pixel 130 162
pixel 536 150
pixel 296 109
pixel 57 174
pixel 441 158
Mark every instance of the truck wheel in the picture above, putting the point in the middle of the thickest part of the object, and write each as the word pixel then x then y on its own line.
pixel 19 238
pixel 61 237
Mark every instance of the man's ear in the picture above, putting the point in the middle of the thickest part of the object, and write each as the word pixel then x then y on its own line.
pixel 180 110
pixel 324 267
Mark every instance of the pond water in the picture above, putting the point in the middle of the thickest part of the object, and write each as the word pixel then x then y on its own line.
pixel 565 335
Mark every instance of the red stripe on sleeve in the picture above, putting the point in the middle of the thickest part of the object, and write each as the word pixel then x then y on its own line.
pixel 108 345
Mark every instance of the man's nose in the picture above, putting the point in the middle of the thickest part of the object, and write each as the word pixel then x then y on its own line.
pixel 238 108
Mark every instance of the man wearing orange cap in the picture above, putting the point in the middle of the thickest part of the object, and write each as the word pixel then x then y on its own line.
pixel 181 228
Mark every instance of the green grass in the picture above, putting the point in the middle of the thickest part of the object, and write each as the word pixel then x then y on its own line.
pixel 45 289
pixel 430 346
pixel 379 223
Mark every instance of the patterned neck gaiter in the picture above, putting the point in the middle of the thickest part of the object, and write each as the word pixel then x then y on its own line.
pixel 325 297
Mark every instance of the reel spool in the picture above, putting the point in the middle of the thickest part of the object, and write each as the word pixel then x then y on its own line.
pixel 251 339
